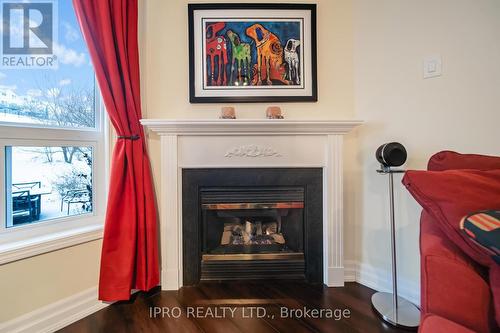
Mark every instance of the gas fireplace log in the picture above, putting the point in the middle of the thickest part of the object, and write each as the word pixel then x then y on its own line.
pixel 226 237
pixel 278 238
pixel 251 233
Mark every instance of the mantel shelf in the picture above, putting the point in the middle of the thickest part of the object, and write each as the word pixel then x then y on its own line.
pixel 249 126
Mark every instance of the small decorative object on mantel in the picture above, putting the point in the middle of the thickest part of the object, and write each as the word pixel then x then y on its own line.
pixel 227 112
pixel 274 112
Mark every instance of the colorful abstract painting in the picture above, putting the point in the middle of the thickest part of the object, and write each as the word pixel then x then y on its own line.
pixel 252 53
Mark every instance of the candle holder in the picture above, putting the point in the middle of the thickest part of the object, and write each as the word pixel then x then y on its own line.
pixel 227 112
pixel 274 112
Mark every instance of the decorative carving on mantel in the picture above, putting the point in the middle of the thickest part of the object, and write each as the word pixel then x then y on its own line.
pixel 252 151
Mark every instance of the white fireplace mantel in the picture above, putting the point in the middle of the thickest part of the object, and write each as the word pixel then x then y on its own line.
pixel 250 143
pixel 249 126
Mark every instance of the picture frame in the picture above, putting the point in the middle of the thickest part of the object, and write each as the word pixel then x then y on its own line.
pixel 226 42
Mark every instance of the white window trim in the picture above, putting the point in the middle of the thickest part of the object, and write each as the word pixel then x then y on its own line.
pixel 25 241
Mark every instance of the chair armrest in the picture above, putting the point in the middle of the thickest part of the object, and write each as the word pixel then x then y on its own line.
pixel 452 285
pixel 455 291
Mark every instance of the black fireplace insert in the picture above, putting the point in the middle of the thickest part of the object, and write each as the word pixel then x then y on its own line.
pixel 252 224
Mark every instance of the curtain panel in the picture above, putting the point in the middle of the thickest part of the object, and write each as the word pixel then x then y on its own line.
pixel 129 258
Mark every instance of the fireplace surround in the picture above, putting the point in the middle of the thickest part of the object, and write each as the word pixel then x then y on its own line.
pixel 248 144
pixel 258 223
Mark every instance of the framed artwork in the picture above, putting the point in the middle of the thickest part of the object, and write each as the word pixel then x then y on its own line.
pixel 252 53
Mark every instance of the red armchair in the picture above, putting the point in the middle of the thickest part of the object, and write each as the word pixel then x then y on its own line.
pixel 455 293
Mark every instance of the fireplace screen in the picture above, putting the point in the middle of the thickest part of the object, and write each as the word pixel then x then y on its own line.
pixel 250 223
pixel 261 223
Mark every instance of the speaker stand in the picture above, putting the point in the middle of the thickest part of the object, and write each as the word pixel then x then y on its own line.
pixel 395 310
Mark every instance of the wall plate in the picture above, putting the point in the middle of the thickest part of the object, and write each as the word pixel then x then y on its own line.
pixel 432 66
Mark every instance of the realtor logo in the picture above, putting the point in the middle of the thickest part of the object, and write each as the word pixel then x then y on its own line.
pixel 29 32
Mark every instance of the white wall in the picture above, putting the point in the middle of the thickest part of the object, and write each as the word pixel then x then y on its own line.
pixel 165 63
pixel 458 111
pixel 29 284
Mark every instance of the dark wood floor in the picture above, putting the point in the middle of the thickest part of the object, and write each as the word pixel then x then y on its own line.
pixel 243 298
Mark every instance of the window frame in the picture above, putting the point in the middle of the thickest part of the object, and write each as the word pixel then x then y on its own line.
pixel 35 238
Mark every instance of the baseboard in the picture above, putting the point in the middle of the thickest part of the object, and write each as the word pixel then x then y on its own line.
pixel 56 315
pixel 380 280
pixel 350 267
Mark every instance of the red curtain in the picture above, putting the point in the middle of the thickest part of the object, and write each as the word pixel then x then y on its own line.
pixel 129 258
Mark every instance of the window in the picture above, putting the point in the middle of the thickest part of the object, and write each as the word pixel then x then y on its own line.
pixel 61 187
pixel 52 139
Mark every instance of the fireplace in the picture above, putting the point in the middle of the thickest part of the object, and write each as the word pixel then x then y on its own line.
pixel 252 224
pixel 199 154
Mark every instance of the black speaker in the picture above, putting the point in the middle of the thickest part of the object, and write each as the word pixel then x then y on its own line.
pixel 391 154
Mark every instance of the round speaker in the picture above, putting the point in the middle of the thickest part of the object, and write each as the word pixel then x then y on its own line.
pixel 391 154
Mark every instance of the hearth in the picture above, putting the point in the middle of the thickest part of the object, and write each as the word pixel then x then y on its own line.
pixel 252 224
